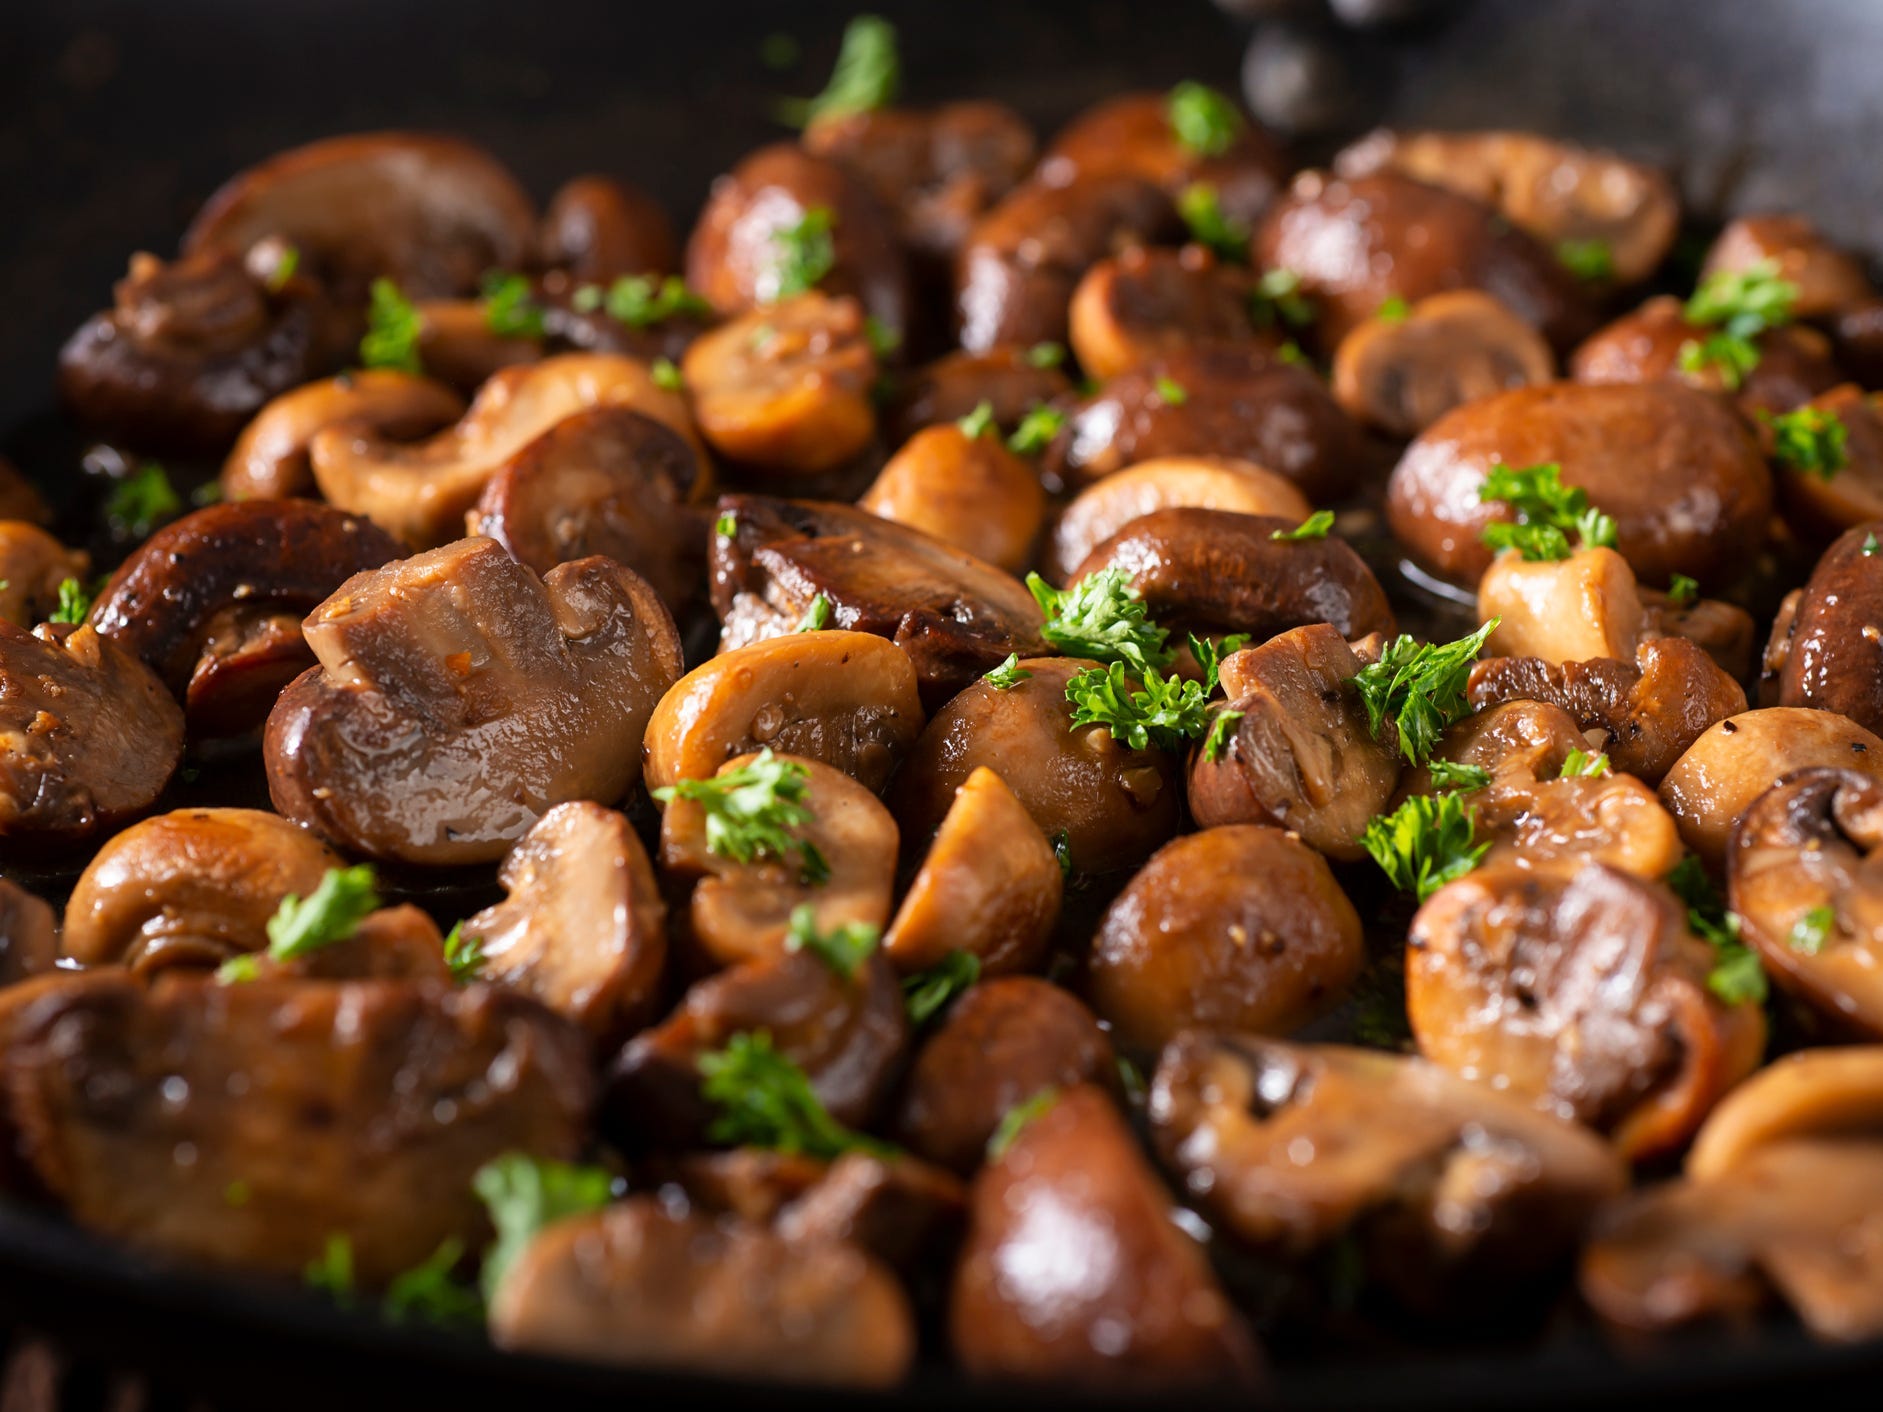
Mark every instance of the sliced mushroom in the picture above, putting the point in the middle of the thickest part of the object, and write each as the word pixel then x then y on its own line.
pixel 607 481
pixel 967 491
pixel 353 1110
pixel 584 929
pixel 1833 1092
pixel 598 229
pixel 32 566
pixel 1736 760
pixel 1011 381
pixel 1677 469
pixel 955 615
pixel 458 697
pixel 1580 989
pixel 1827 502
pixel 1214 402
pixel 740 910
pixel 635 1284
pixel 430 213
pixel 989 885
pixel 1301 755
pixel 1104 805
pixel 1074 1273
pixel 1145 303
pixel 270 460
pixel 1828 279
pixel 1453 1192
pixel 1401 374
pixel 1833 641
pixel 29 936
pixel 88 735
pixel 785 389
pixel 845 698
pixel 419 492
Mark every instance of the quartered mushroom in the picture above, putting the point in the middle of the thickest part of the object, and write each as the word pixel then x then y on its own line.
pixel 583 929
pixel 32 567
pixel 1144 303
pixel 1580 989
pixel 29 935
pixel 597 229
pixel 458 697
pixel 1455 1195
pixel 270 458
pixel 1830 647
pixel 1011 380
pixel 1241 927
pixel 969 491
pixel 1073 1272
pixel 637 1284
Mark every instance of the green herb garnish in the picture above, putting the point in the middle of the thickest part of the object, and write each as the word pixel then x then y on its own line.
pixel 430 1291
pixel 142 500
pixel 1461 778
pixel 1739 305
pixel 1101 618
pixel 510 307
pixel 1036 430
pixel 843 949
pixel 1204 122
pixel 1315 526
pixel 1592 261
pixel 464 955
pixel 977 423
pixel 1008 674
pixel 816 617
pixel 331 1271
pixel 1420 687
pixel 807 252
pixel 1547 512
pixel 1171 392
pixel 1222 729
pixel 1737 977
pixel 1202 211
pixel 1581 764
pixel 866 77
pixel 751 811
pixel 1046 355
pixel 1394 310
pixel 883 339
pixel 1810 440
pixel 1165 712
pixel 1682 592
pixel 286 263
pixel 927 993
pixel 640 301
pixel 727 525
pixel 524 1196
pixel 1015 1121
pixel 393 326
pixel 1425 843
pixel 1277 298
pixel 1811 931
pixel 74 603
pixel 666 375
pixel 765 1100
pixel 331 913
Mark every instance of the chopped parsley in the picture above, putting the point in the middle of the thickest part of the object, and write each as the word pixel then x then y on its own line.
pixel 1420 687
pixel 666 375
pixel 1581 764
pixel 393 326
pixel 639 301
pixel 331 913
pixel 1008 674
pixel 1015 1121
pixel 1222 729
pixel 510 307
pixel 977 423
pixel 430 1291
pixel 1277 298
pixel 1737 977
pixel 1210 654
pixel 1164 712
pixel 464 955
pixel 1426 842
pixel 1812 930
pixel 867 75
pixel 142 500
pixel 927 993
pixel 1869 550
pixel 74 603
pixel 752 810
pixel 764 1100
pixel 1036 430
pixel 1171 392
pixel 843 949
pixel 524 1196
pixel 1101 618
pixel 727 525
pixel 1315 526
pixel 1547 512
pixel 1682 592
pixel 1204 122
pixel 286 263
pixel 331 1272
pixel 1453 775
pixel 1810 440
pixel 883 339
pixel 1202 211
pixel 1046 355
pixel 816 617
pixel 1394 310
pixel 807 252
pixel 1592 261
pixel 1738 305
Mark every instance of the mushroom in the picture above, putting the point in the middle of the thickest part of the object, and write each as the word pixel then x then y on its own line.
pixel 1355 243
pixel 785 389
pixel 1578 988
pixel 32 567
pixel 1213 402
pixel 845 698
pixel 458 346
pixel 1736 760
pixel 1455 1195
pixel 1073 1272
pixel 458 697
pixel 1677 469
pixel 1561 610
pixel 583 929
pixel 29 939
pixel 353 1111
pixel 430 213
pixel 597 229
pixel 956 616
pixel 1832 655
pixel 636 1284
pixel 1829 280
pixel 1206 482
pixel 270 461
pixel 743 908
pixel 212 602
pixel 1104 805
pixel 190 888
pixel 1145 303
pixel 1824 502
pixel 419 492
pixel 398 943
pixel 968 491
pixel 989 885
pixel 1300 753
pixel 608 481
pixel 1011 381
pixel 1563 194
pixel 1241 927
pixel 1002 1042
pixel 88 735
pixel 1402 373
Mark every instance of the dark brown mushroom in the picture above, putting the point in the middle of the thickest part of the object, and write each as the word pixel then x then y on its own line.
pixel 1832 644
pixel 1145 303
pixel 598 229
pixel 1828 279
pixel 1824 502
pixel 1011 381
pixel 33 565
pixel 967 491
pixel 270 459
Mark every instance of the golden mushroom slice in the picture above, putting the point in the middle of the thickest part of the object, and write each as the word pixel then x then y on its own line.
pixel 1146 302
pixel 1835 1092
pixel 270 459
pixel 419 491
pixel 33 565
pixel 990 885
pixel 963 486
pixel 846 698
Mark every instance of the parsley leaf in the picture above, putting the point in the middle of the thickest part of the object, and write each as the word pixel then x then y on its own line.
pixel 1165 713
pixel 428 1291
pixel 331 913
pixel 510 307
pixel 1204 122
pixel 1015 1120
pixel 1210 654
pixel 464 955
pixel 1315 526
pixel 1222 729
pixel 817 616
pixel 1736 977
pixel 1811 440
pixel 332 1270
pixel 1580 764
pixel 765 1100
pixel 1394 310
pixel 977 423
pixel 524 1195
pixel 1036 430
pixel 1008 674
pixel 74 603
pixel 1682 591
pixel 1420 687
pixel 1738 305
pixel 1591 261
pixel 883 339
pixel 1202 211
pixel 1452 775
pixel 1046 355
pixel 286 263
pixel 727 525
pixel 927 993
pixel 866 77
pixel 1277 298
pixel 806 252
pixel 393 326
pixel 1425 843
pixel 843 950
pixel 1869 548
pixel 142 500
pixel 1546 509
pixel 1812 930
pixel 1101 618
pixel 1171 392
pixel 751 811
pixel 666 375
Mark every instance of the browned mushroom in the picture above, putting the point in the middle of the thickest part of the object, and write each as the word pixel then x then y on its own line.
pixel 1829 280
pixel 1011 381
pixel 270 461
pixel 458 346
pixel 1073 1272
pixel 967 491
pixel 1825 501
pixel 1145 303
pixel 1832 644
pixel 1578 988
pixel 29 936
pixel 32 567
pixel 1677 469
pixel 351 1110
pixel 398 943
pixel 458 697
pixel 639 1285
pixel 1402 372
pixel 597 229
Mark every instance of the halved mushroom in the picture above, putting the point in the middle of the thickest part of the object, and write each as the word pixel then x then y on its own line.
pixel 597 229
pixel 607 481
pixel 1652 708
pixel 1454 1193
pixel 1401 374
pixel 846 698
pixel 639 1285
pixel 419 492
pixel 430 213
pixel 1736 760
pixel 1829 648
pixel 740 910
pixel 1302 756
pixel 1105 805
pixel 584 929
pixel 1145 303
pixel 1578 988
pixel 212 602
pixel 785 389
pixel 1011 381
pixel 1568 610
pixel 967 491
pixel 989 885
pixel 191 887
pixel 1561 193
pixel 29 936
pixel 270 460
pixel 32 566
pixel 1826 502
pixel 458 697
pixel 955 615
pixel 1003 1041
pixel 1214 402
pixel 88 735
pixel 1073 1271
pixel 1828 279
